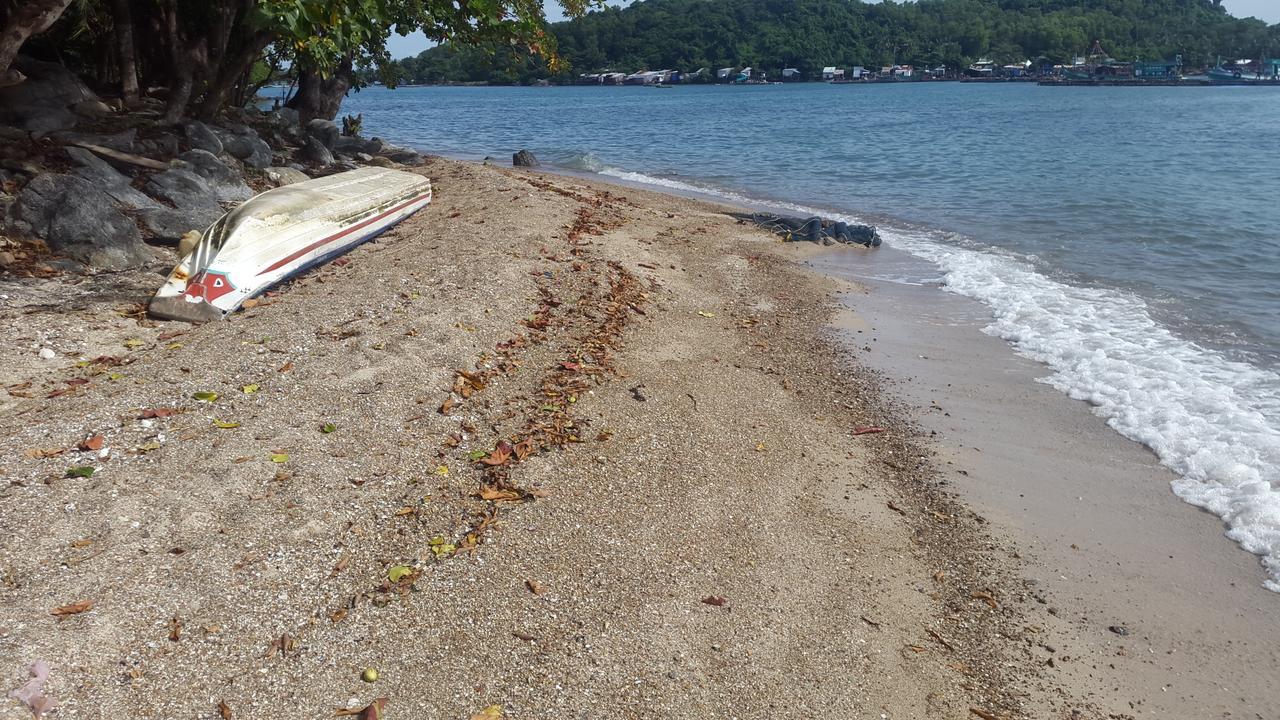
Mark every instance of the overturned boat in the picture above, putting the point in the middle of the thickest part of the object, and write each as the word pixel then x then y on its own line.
pixel 282 232
pixel 813 229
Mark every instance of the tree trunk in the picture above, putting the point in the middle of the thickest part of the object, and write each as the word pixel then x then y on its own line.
pixel 29 18
pixel 321 97
pixel 123 18
pixel 233 70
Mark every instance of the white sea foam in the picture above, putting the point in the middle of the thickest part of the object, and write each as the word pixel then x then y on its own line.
pixel 1212 420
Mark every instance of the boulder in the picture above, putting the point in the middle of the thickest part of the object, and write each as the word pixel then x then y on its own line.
pixel 404 156
pixel 324 131
pixel 524 158
pixel 50 120
pixel 200 137
pixel 314 151
pixel 226 183
pixel 356 145
pixel 78 219
pixel 92 109
pixel 379 161
pixel 194 200
pixel 48 86
pixel 281 176
pixel 288 117
pixel 123 141
pixel 249 148
pixel 112 182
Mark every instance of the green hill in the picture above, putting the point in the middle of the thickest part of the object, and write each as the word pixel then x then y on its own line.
pixel 811 34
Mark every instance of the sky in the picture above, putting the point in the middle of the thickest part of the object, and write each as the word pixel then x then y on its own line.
pixel 1268 10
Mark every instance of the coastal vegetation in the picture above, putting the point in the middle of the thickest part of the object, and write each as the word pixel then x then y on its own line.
pixel 811 34
pixel 202 56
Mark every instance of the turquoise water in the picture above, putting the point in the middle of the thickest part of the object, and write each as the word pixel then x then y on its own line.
pixel 1127 238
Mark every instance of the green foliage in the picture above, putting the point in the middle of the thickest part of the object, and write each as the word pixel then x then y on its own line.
pixel 811 34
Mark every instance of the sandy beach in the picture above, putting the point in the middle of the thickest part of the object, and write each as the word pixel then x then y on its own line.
pixel 574 450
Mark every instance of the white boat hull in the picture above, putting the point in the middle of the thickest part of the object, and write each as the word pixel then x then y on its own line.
pixel 283 232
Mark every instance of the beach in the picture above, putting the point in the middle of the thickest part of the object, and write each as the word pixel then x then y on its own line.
pixel 582 450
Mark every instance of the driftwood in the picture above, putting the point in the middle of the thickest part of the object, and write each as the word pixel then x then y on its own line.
pixel 123 157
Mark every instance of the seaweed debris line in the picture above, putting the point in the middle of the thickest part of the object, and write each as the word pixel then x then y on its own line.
pixel 813 229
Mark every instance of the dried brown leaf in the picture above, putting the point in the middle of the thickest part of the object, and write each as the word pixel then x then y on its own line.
pixel 93 442
pixel 536 587
pixel 74 608
pixel 224 710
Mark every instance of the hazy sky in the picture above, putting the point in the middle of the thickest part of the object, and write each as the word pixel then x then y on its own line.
pixel 1268 10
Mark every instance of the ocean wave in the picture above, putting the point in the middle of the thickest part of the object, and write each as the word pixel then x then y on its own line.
pixel 1210 419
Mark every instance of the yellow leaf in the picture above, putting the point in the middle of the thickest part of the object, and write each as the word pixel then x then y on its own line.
pixel 759 447
pixel 174 346
pixel 132 343
pixel 279 457
pixel 143 450
pixel 493 712
pixel 205 396
pixel 225 425
pixel 443 471
pixel 250 389
pixel 706 314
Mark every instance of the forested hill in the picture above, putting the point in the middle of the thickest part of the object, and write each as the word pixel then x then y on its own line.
pixel 811 34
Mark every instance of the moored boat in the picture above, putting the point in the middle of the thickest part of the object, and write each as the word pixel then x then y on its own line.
pixel 283 232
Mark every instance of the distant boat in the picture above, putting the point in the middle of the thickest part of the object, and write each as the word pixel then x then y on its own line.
pixel 283 232
pixel 1235 75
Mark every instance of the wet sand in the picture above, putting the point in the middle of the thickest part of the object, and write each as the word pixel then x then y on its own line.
pixel 1104 539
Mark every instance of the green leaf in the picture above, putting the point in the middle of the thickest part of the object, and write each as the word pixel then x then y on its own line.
pixel 250 389
pixel 133 343
pixel 225 425
pixel 328 428
pixel 81 471
pixel 280 457
pixel 477 454
pixel 205 396
pixel 399 572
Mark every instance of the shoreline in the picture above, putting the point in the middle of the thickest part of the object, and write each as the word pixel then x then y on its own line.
pixel 854 555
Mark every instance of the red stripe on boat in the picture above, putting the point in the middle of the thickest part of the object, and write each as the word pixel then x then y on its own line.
pixel 325 241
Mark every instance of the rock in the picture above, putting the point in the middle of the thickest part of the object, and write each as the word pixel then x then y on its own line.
pixel 21 166
pixel 281 176
pixel 12 134
pixel 43 98
pixel 114 183
pixel 48 121
pixel 363 157
pixel 78 219
pixel 288 117
pixel 355 145
pixel 47 354
pixel 524 158
pixel 92 109
pixel 379 161
pixel 200 137
pixel 123 141
pixel 324 131
pixel 314 151
pixel 226 183
pixel 195 203
pixel 404 156
pixel 249 148
pixel 7 258
pixel 169 144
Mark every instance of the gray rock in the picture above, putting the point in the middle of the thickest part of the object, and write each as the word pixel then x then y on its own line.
pixel 355 145
pixel 49 120
pixel 92 109
pixel 184 188
pixel 168 144
pixel 21 166
pixel 324 131
pixel 200 137
pixel 123 141
pixel 49 87
pixel 289 117
pixel 524 158
pixel 12 133
pixel 226 183
pixel 112 182
pixel 77 219
pixel 404 156
pixel 280 176
pixel 314 151
pixel 170 224
pixel 363 157
pixel 249 148
pixel 7 258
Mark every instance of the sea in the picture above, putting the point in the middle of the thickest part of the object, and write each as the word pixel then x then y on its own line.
pixel 1126 238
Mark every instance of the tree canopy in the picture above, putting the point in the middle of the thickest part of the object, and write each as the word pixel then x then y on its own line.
pixel 206 54
pixel 811 34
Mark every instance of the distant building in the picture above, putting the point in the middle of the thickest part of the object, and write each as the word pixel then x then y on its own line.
pixel 829 73
pixel 791 75
pixel 724 74
pixel 1157 69
pixel 857 72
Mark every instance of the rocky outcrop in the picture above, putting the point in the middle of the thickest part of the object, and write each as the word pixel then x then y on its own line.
pixel 249 148
pixel 80 220
pixel 280 176
pixel 225 183
pixel 200 137
pixel 112 182
pixel 194 203
pixel 41 104
pixel 524 158
pixel 325 131
pixel 314 152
